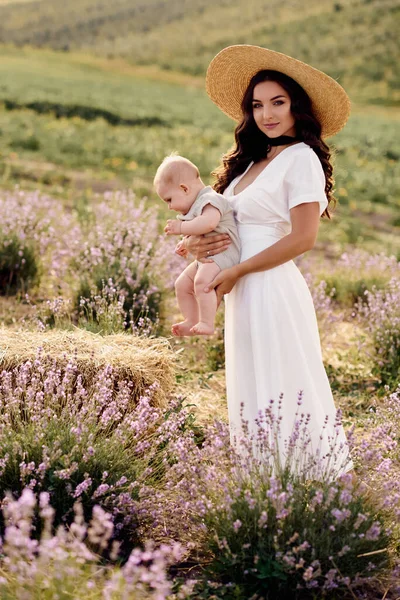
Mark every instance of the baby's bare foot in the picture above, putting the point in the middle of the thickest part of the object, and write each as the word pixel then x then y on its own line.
pixel 182 328
pixel 202 329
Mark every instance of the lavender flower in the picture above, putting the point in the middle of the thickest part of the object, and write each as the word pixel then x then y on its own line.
pixel 380 314
pixel 64 558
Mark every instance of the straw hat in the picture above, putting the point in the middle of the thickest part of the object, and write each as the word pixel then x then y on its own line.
pixel 230 72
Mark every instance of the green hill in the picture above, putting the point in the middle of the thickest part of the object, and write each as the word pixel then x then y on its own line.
pixel 354 40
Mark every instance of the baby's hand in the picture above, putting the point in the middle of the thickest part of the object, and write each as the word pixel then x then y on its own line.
pixel 173 227
pixel 180 249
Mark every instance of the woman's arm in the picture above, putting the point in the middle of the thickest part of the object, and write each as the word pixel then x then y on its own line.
pixel 305 223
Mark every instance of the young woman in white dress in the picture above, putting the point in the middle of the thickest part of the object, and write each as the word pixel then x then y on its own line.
pixel 278 177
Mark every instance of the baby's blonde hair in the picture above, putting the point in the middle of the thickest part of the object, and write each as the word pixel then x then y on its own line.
pixel 176 169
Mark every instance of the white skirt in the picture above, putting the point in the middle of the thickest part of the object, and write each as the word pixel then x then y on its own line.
pixel 272 348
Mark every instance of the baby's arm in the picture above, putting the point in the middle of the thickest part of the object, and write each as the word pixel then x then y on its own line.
pixel 204 223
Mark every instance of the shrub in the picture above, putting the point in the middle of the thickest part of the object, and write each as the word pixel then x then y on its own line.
pixel 27 143
pixel 288 534
pixel 68 564
pixel 97 448
pixel 107 311
pixel 52 313
pixel 215 348
pixel 87 113
pixel 294 537
pixel 380 314
pixel 19 265
pixel 267 527
pixel 30 248
pixel 123 246
pixel 377 454
pixel 353 273
pixel 102 312
pixel 24 236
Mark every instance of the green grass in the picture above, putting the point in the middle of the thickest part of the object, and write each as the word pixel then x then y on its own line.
pixel 45 76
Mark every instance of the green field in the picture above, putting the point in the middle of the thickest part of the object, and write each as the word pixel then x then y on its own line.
pixel 72 124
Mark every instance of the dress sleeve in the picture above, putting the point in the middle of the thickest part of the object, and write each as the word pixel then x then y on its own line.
pixel 218 201
pixel 306 181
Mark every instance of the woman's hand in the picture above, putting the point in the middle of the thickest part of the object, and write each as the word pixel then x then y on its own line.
pixel 223 282
pixel 202 247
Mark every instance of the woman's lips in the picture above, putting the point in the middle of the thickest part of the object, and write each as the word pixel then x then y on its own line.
pixel 271 125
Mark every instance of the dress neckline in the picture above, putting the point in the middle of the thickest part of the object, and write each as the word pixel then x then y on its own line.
pixel 237 180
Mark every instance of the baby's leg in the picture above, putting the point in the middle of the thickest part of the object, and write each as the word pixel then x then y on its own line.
pixel 207 301
pixel 184 289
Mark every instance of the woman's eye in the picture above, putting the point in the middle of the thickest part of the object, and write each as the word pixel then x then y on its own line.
pixel 256 105
pixel 278 102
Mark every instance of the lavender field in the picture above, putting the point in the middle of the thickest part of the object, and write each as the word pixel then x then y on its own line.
pixel 118 480
pixel 109 496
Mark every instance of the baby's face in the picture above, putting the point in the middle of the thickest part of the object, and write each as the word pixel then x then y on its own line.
pixel 179 197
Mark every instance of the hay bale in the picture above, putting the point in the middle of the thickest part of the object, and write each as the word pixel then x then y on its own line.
pixel 140 360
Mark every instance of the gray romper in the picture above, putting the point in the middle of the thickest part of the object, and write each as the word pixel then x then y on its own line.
pixel 227 224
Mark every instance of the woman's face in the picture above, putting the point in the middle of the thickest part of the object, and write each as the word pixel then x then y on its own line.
pixel 271 110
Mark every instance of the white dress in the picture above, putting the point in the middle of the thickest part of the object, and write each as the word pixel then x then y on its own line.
pixel 272 341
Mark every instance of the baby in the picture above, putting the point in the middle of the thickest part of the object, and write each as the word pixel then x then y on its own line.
pixel 203 211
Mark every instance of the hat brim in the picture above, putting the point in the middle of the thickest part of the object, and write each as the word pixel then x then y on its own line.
pixel 231 70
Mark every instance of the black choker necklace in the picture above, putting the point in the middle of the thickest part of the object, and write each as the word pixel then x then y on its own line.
pixel 282 140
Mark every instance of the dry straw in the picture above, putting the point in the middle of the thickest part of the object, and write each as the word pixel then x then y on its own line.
pixel 139 360
pixel 230 72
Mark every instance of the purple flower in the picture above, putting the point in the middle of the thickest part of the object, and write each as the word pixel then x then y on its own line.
pixel 82 487
pixel 237 525
pixel 373 532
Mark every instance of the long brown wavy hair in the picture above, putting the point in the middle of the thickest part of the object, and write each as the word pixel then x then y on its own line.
pixel 251 144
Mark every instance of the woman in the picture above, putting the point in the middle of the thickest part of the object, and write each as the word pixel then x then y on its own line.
pixel 278 177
